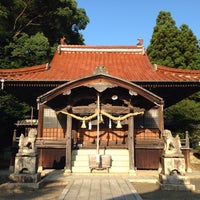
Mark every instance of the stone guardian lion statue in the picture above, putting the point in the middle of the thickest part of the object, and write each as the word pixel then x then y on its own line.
pixel 27 144
pixel 172 145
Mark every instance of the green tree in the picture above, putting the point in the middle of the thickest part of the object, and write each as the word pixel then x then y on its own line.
pixel 25 19
pixel 177 47
pixel 163 48
pixel 184 116
pixel 54 18
pixel 27 51
pixel 11 110
pixel 172 46
pixel 29 30
pixel 189 48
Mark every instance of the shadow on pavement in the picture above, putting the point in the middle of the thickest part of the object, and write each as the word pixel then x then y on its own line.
pixel 152 191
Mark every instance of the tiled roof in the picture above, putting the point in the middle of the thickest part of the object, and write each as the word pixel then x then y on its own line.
pixel 75 61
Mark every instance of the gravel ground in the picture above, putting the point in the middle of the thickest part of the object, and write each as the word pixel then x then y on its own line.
pixel 151 191
pixel 51 189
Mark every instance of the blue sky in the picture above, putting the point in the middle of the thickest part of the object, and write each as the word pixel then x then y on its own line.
pixel 121 22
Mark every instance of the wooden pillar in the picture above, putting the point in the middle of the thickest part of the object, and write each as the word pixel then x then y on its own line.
pixel 161 118
pixel 68 163
pixel 187 155
pixel 39 135
pixel 131 144
pixel 40 120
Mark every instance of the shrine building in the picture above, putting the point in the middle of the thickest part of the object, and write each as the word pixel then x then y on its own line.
pixel 100 100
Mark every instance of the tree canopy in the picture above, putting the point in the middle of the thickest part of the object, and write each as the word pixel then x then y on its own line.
pixel 11 110
pixel 184 116
pixel 172 46
pixel 28 51
pixel 177 47
pixel 26 23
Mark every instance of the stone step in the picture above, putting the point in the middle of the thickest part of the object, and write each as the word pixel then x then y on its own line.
pixel 120 157
pixel 102 151
pixel 79 163
pixel 115 163
pixel 82 169
pixel 117 152
pixel 80 157
pixel 120 163
pixel 113 157
pixel 120 160
pixel 119 169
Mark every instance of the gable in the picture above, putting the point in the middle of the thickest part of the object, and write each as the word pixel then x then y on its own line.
pixel 100 83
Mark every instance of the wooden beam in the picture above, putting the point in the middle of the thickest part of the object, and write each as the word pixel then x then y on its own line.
pixel 107 108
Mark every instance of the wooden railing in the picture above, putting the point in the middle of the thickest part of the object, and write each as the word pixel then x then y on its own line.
pixel 142 142
pixel 46 142
pixel 159 143
pixel 153 142
pixel 51 142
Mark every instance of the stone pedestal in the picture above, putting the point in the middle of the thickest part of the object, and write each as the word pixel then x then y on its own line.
pixel 25 178
pixel 172 176
pixel 25 170
pixel 173 163
pixel 175 182
pixel 26 163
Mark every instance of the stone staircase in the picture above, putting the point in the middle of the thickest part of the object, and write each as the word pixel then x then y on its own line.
pixel 119 160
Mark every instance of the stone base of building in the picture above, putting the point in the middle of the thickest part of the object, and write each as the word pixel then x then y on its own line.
pixel 132 172
pixel 175 182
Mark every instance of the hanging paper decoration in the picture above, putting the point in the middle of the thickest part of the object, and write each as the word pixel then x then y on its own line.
pixel 90 125
pixel 110 123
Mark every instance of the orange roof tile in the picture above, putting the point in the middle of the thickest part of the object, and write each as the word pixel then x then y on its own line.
pixel 75 61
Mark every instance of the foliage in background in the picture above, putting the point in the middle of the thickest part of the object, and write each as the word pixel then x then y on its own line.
pixel 37 21
pixel 177 47
pixel 11 110
pixel 27 51
pixel 172 46
pixel 185 116
pixel 29 33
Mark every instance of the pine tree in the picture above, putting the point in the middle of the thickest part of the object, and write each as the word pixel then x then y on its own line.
pixel 163 48
pixel 172 46
pixel 189 48
pixel 177 47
